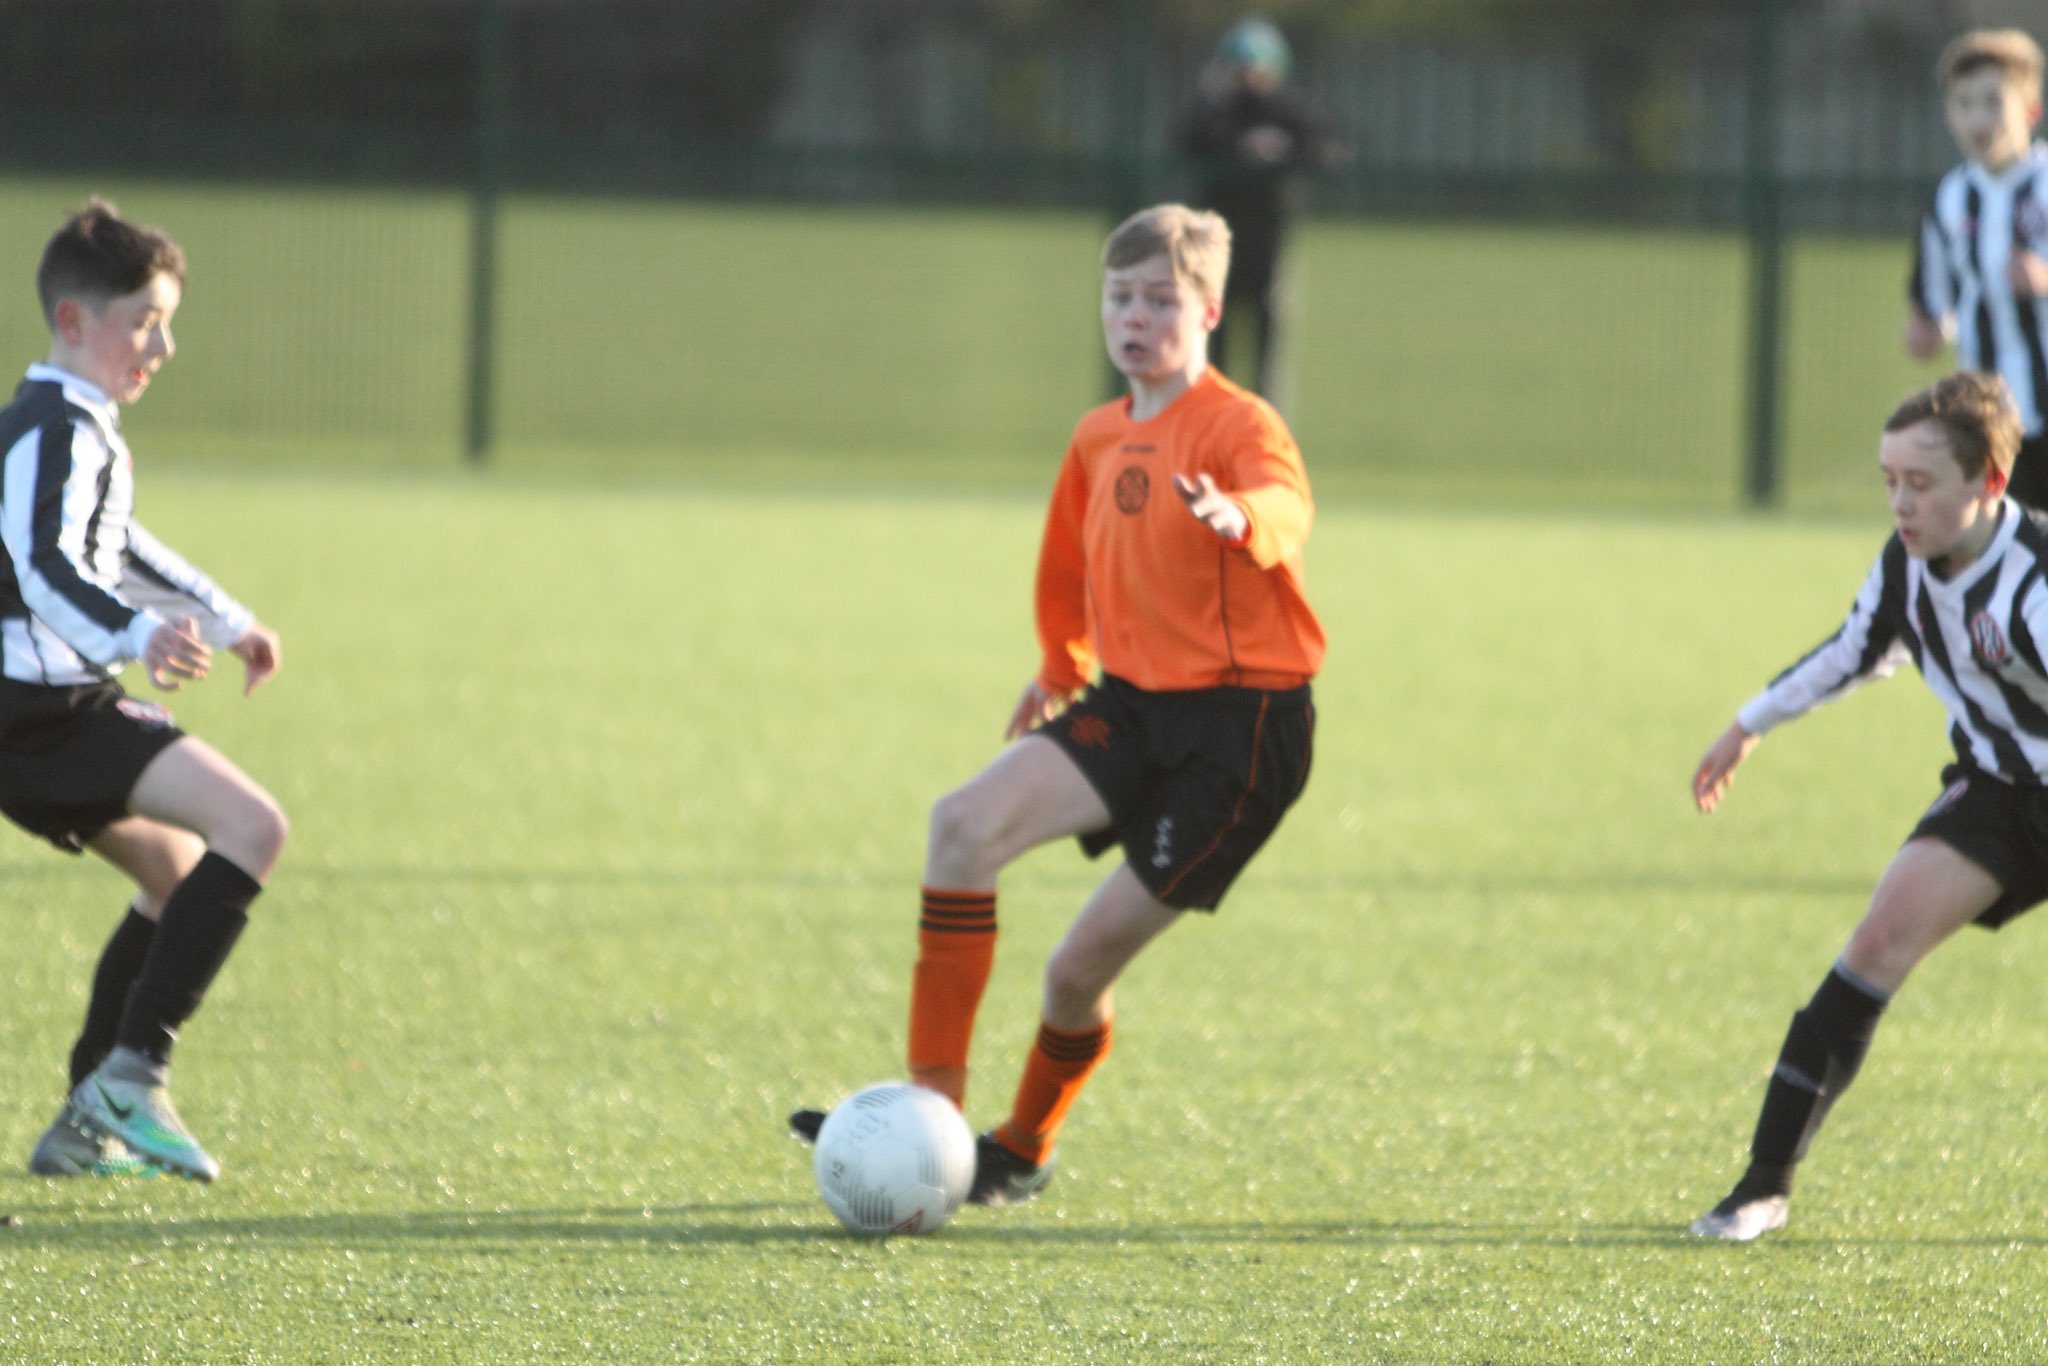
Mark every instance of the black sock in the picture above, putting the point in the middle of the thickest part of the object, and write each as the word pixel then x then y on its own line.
pixel 120 963
pixel 1823 1050
pixel 202 919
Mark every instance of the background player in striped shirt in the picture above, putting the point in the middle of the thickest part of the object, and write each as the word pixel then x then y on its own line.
pixel 1170 714
pixel 1958 590
pixel 83 590
pixel 1979 276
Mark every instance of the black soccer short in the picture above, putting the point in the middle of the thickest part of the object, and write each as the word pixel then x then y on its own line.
pixel 69 757
pixel 1195 782
pixel 2001 828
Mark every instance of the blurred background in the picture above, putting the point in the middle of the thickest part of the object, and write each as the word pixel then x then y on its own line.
pixel 1645 253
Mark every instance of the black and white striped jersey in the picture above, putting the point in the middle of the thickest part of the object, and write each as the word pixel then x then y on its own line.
pixel 82 585
pixel 1960 273
pixel 1976 639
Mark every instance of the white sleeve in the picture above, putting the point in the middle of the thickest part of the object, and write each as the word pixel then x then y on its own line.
pixel 156 578
pixel 48 493
pixel 1932 291
pixel 1869 645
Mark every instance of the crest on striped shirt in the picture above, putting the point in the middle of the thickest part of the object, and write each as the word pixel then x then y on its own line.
pixel 151 714
pixel 1988 641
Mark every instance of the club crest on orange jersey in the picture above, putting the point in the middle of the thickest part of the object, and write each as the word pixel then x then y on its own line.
pixel 1133 486
pixel 1988 641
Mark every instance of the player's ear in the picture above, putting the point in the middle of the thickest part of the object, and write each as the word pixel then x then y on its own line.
pixel 68 321
pixel 1212 313
pixel 1995 480
pixel 2034 111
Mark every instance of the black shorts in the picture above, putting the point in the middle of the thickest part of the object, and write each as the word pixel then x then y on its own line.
pixel 2001 828
pixel 1195 782
pixel 69 757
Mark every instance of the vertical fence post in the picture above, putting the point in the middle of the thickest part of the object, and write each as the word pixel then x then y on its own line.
pixel 1127 142
pixel 493 97
pixel 1134 40
pixel 1762 194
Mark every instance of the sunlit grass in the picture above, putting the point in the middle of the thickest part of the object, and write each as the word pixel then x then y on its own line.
pixel 608 809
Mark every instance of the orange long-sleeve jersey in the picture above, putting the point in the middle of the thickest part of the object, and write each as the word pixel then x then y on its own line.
pixel 1129 581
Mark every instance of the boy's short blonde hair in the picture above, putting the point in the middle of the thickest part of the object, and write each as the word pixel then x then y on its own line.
pixel 1975 410
pixel 1195 240
pixel 2016 55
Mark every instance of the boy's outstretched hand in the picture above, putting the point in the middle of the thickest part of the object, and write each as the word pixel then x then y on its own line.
pixel 1034 709
pixel 1718 765
pixel 1923 336
pixel 2029 273
pixel 1216 509
pixel 175 653
pixel 261 655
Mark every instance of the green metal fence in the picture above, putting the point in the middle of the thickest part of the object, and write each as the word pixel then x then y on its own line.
pixel 1574 249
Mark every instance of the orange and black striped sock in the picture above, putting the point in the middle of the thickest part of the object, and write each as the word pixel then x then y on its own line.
pixel 956 946
pixel 1059 1066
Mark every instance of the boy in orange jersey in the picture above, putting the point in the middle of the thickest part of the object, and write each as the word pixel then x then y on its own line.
pixel 1171 712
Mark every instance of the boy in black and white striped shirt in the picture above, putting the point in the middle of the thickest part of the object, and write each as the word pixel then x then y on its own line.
pixel 1979 273
pixel 83 591
pixel 1959 591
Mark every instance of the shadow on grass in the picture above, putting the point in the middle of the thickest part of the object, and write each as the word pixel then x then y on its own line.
pixel 1589 883
pixel 759 1222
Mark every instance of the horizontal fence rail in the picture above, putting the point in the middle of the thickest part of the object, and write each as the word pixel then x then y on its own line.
pixel 1760 127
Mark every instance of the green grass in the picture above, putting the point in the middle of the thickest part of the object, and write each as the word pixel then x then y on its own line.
pixel 1506 366
pixel 608 813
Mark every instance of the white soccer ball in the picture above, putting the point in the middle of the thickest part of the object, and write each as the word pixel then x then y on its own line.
pixel 894 1158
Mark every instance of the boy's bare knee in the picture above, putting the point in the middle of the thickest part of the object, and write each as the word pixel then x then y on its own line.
pixel 1882 950
pixel 957 825
pixel 254 836
pixel 154 887
pixel 276 828
pixel 271 829
pixel 1072 983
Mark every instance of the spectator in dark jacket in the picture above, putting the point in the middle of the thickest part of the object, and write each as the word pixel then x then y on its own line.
pixel 1253 141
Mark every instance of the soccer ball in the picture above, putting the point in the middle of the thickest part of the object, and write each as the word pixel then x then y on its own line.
pixel 894 1158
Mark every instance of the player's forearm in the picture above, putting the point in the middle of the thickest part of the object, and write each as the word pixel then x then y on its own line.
pixel 1281 516
pixel 92 621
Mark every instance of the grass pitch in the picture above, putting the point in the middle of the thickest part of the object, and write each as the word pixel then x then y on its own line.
pixel 608 813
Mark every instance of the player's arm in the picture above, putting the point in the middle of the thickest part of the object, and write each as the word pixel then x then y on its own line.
pixel 1060 600
pixel 2028 273
pixel 1869 645
pixel 1036 707
pixel 1718 765
pixel 1924 337
pixel 1262 504
pixel 1214 508
pixel 175 652
pixel 47 501
pixel 156 577
pixel 1930 293
pixel 262 655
